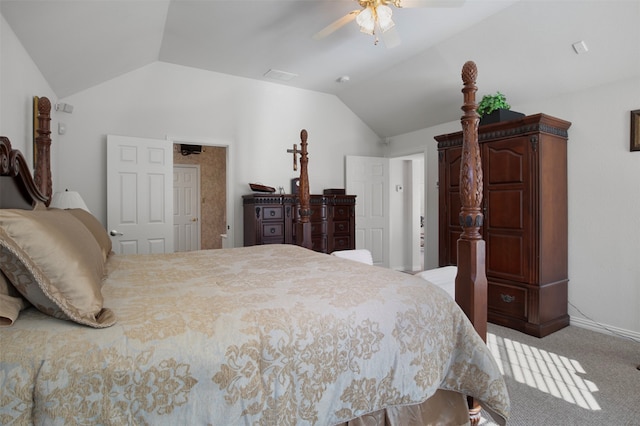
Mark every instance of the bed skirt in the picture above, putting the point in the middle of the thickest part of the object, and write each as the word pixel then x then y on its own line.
pixel 443 408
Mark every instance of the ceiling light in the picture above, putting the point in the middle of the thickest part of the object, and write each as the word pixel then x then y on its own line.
pixel 366 20
pixel 384 17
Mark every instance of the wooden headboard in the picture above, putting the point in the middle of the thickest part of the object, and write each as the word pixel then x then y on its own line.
pixel 18 190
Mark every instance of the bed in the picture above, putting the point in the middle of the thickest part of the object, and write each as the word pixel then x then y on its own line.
pixel 264 335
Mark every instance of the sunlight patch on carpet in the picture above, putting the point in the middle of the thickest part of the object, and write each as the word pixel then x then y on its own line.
pixel 546 371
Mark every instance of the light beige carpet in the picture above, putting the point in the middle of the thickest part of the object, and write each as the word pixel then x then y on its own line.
pixel 574 376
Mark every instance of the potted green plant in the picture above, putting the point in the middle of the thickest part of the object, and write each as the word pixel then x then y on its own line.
pixel 495 108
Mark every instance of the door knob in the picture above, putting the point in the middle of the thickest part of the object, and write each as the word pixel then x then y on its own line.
pixel 114 233
pixel 195 219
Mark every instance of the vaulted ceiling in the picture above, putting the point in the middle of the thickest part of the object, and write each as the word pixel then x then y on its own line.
pixel 522 48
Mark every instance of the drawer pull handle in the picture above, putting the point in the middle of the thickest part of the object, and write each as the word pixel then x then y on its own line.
pixel 341 227
pixel 272 230
pixel 272 213
pixel 507 298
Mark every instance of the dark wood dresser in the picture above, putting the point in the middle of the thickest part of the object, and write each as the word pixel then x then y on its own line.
pixel 524 164
pixel 270 219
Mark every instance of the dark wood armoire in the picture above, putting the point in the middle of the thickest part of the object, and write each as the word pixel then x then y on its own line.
pixel 524 163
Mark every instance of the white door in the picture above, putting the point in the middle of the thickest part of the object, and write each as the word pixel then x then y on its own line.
pixel 139 188
pixel 186 207
pixel 367 178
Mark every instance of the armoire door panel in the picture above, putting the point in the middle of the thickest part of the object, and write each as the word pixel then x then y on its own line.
pixel 508 212
pixel 452 255
pixel 453 170
pixel 454 210
pixel 508 205
pixel 506 162
pixel 506 256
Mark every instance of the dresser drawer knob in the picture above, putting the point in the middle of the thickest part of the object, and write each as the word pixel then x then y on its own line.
pixel 507 298
pixel 272 230
pixel 272 213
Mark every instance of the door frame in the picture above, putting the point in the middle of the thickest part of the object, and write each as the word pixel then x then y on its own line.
pixel 228 241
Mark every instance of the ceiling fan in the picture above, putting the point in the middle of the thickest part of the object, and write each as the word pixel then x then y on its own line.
pixel 374 18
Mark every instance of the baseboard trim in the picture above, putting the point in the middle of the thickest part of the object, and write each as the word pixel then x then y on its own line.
pixel 606 329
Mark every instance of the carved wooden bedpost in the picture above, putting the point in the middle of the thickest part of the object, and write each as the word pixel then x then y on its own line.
pixel 42 166
pixel 471 280
pixel 304 223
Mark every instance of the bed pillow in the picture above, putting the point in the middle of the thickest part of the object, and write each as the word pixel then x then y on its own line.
pixel 11 302
pixel 96 228
pixel 54 261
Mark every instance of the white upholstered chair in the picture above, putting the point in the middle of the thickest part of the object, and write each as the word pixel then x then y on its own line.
pixel 360 255
pixel 444 278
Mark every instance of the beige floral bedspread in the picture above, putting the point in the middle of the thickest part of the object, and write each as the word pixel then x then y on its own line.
pixel 265 335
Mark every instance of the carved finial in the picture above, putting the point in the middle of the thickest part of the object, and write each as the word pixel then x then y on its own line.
pixel 44 105
pixel 303 135
pixel 469 72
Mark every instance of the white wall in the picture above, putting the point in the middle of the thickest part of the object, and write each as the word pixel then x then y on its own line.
pixel 604 201
pixel 259 121
pixel 20 81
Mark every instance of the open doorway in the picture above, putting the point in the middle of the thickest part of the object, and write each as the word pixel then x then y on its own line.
pixel 408 215
pixel 213 191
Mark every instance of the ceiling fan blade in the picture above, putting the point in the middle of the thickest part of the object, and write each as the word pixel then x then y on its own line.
pixel 336 25
pixel 430 3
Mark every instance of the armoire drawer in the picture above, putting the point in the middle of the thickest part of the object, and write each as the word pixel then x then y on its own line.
pixel 508 300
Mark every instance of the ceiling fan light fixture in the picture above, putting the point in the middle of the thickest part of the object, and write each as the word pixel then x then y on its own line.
pixel 375 16
pixel 384 17
pixel 366 20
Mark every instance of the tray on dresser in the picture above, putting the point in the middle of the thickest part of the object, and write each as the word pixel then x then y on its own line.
pixel 256 187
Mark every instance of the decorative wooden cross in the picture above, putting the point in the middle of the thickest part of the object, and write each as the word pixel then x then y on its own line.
pixel 295 153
